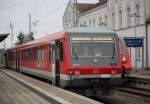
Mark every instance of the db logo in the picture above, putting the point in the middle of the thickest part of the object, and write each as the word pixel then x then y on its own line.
pixel 96 71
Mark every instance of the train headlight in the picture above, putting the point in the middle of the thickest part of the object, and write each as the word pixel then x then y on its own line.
pixel 77 72
pixel 124 59
pixel 70 72
pixel 113 72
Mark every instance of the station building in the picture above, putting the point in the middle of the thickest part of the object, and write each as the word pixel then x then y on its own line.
pixel 2 51
pixel 126 17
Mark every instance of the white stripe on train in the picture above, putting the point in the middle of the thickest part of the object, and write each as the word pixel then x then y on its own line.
pixel 48 75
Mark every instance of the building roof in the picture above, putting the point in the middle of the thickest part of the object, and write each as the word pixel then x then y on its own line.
pixel 83 7
pixel 3 36
pixel 86 6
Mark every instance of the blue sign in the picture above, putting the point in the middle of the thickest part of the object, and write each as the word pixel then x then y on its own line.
pixel 133 42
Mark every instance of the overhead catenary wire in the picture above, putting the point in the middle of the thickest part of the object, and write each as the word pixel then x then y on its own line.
pixel 19 20
pixel 51 12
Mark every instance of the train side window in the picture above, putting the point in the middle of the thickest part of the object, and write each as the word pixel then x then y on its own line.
pixel 50 53
pixel 39 54
pixel 30 54
pixel 34 54
pixel 42 54
pixel 22 51
pixel 53 53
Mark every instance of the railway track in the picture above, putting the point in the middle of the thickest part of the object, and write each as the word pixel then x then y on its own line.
pixel 109 100
pixel 135 91
pixel 138 82
pixel 130 91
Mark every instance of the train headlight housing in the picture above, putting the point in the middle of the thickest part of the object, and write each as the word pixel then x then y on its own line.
pixel 113 71
pixel 124 59
pixel 70 72
pixel 77 72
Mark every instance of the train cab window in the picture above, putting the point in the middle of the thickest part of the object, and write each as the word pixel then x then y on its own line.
pixel 61 52
pixel 100 46
pixel 122 46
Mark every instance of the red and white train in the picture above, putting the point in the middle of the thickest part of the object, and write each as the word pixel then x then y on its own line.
pixel 82 57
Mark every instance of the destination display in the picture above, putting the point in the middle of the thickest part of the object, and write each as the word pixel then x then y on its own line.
pixel 90 38
pixel 136 42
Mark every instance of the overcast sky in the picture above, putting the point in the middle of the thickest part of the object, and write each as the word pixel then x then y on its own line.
pixel 48 12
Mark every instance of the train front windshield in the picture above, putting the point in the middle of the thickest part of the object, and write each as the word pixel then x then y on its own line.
pixel 93 46
pixel 92 50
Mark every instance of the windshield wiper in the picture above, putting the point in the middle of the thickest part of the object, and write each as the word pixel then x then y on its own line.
pixel 76 57
pixel 113 51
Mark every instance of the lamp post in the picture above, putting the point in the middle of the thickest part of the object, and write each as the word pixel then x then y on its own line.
pixel 74 6
pixel 12 36
pixel 135 15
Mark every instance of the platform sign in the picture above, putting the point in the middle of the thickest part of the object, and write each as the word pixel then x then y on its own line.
pixel 134 42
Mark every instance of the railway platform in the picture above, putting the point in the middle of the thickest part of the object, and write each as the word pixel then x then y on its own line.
pixel 20 86
pixel 140 74
pixel 12 92
pixel 139 79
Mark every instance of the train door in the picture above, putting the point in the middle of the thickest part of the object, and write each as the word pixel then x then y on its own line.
pixel 16 63
pixel 17 60
pixel 55 53
pixel 6 59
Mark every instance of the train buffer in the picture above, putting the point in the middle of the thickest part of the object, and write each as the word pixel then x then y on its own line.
pixel 45 92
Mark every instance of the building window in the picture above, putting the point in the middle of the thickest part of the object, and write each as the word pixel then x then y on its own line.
pixel 120 18
pixel 128 16
pixel 106 20
pixel 100 21
pixel 81 25
pixel 137 14
pixel 93 22
pixel 113 20
pixel 84 24
pixel 89 23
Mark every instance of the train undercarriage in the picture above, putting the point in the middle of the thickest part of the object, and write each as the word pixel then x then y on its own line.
pixel 94 87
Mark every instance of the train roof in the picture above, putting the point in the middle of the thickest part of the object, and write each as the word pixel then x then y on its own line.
pixel 59 35
pixel 90 30
pixel 40 41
